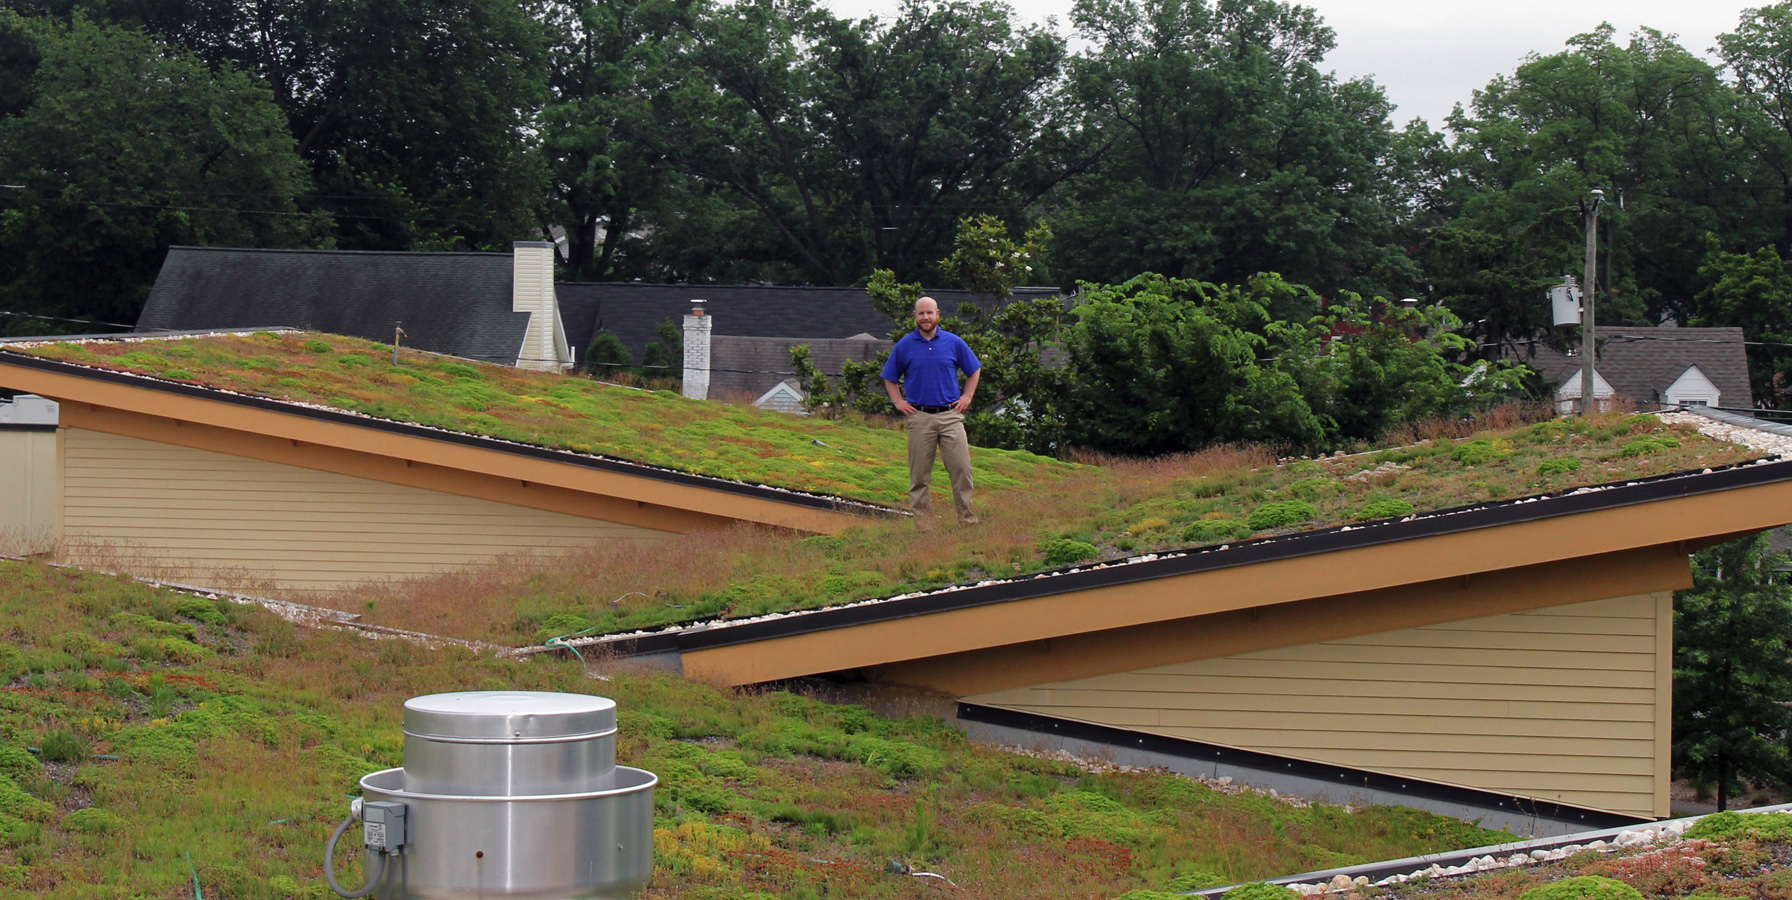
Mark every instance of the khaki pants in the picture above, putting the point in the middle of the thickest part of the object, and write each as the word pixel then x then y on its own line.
pixel 926 431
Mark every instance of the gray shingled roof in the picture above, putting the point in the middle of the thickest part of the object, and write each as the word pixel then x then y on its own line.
pixel 631 310
pixel 455 303
pixel 741 366
pixel 1640 363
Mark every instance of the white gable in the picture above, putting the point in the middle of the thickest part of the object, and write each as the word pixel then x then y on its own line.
pixel 1570 389
pixel 1691 387
pixel 783 397
pixel 1568 393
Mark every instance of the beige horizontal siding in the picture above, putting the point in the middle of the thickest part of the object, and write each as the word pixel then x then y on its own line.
pixel 211 517
pixel 29 499
pixel 1567 704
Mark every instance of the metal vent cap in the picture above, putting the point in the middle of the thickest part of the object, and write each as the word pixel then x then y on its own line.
pixel 508 716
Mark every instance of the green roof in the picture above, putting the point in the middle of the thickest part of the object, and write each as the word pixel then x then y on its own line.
pixel 564 412
pixel 1096 513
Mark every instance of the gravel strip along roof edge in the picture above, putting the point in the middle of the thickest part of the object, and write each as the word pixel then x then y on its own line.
pixel 1495 856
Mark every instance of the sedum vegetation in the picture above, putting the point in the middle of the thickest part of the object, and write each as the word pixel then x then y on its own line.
pixel 209 743
pixel 1111 511
pixel 657 428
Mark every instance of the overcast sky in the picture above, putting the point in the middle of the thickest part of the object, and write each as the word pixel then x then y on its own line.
pixel 1430 54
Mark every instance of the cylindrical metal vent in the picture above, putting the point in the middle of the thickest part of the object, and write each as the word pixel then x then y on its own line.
pixel 515 794
pixel 505 743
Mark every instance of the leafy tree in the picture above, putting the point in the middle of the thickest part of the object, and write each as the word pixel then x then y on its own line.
pixel 858 143
pixel 1754 292
pixel 606 60
pixel 1758 55
pixel 1643 121
pixel 663 357
pixel 989 263
pixel 1732 687
pixel 1366 367
pixel 415 115
pixel 1162 365
pixel 124 147
pixel 1227 152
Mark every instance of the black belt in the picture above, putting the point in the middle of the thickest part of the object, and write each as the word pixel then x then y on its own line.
pixel 934 409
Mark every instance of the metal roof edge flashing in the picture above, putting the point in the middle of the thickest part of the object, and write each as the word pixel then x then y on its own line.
pixel 325 414
pixel 1726 416
pixel 1346 777
pixel 1169 563
pixel 1410 864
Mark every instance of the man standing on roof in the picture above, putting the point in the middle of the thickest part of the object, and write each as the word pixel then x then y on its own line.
pixel 927 362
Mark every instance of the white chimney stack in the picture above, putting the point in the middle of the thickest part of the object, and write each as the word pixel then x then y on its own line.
pixel 544 346
pixel 696 352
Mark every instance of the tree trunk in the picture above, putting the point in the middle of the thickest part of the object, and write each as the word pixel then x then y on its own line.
pixel 1723 781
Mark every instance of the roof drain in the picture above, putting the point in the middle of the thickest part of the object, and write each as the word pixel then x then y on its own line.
pixel 504 794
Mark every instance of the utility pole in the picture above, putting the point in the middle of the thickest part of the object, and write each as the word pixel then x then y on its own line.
pixel 1588 342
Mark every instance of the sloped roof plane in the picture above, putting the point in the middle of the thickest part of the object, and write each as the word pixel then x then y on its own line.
pixel 455 303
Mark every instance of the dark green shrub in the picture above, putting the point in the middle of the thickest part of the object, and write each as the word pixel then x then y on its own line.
pixel 317 346
pixel 1312 489
pixel 16 762
pixel 1648 445
pixel 561 624
pixel 177 374
pixel 1561 465
pixel 607 355
pixel 1210 530
pixel 459 370
pixel 1475 453
pixel 1730 826
pixel 1258 891
pixel 201 610
pixel 93 820
pixel 63 745
pixel 1386 508
pixel 1198 880
pixel 1064 551
pixel 1583 887
pixel 1281 515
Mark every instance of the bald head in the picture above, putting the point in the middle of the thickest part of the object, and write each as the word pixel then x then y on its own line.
pixel 927 317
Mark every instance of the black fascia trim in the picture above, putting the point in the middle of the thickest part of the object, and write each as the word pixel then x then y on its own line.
pixel 1184 562
pixel 604 463
pixel 26 426
pixel 1346 778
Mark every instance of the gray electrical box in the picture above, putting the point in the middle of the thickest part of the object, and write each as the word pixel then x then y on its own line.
pixel 382 825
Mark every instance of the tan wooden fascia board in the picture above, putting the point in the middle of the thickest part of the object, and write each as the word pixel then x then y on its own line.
pixel 98 393
pixel 1641 571
pixel 387 469
pixel 1665 522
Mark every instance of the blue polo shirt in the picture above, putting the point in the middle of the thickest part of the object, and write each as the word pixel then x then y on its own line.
pixel 928 370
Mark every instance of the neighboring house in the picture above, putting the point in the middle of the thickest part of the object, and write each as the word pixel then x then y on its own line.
pixel 30 494
pixel 757 367
pixel 1654 367
pixel 633 310
pixel 1507 659
pixel 493 307
pixel 213 485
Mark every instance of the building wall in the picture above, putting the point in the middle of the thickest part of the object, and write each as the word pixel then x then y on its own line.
pixel 30 500
pixel 1568 704
pixel 208 517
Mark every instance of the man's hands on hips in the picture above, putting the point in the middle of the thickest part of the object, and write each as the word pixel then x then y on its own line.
pixel 906 408
pixel 962 403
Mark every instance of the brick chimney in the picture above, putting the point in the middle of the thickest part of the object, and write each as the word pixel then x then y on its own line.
pixel 696 352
